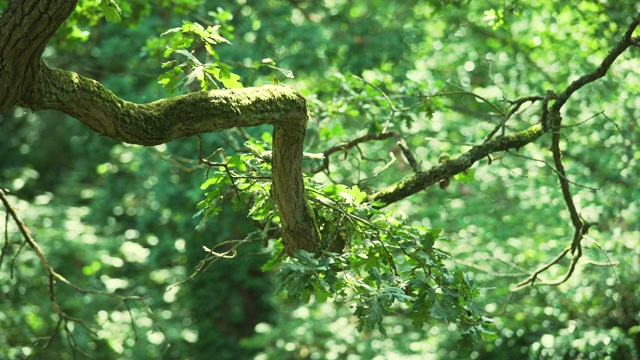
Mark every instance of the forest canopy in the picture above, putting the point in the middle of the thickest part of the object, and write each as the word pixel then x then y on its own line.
pixel 319 179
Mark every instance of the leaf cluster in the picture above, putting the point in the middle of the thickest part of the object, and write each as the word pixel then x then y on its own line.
pixel 244 179
pixel 185 43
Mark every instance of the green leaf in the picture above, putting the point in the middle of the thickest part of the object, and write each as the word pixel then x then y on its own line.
pixel 370 314
pixel 190 56
pixel 286 73
pixel 232 82
pixel 466 177
pixel 111 10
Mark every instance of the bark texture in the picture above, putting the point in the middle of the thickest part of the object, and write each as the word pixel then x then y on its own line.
pixel 425 179
pixel 27 26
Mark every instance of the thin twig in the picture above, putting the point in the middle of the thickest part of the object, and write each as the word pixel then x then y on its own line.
pixel 53 276
pixel 487 270
pixel 404 148
pixel 531 280
pixel 6 236
pixel 612 265
pixel 463 91
pixel 552 169
pixel 619 130
pixel 516 104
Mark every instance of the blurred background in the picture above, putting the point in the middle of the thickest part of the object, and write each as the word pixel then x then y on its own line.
pixel 120 218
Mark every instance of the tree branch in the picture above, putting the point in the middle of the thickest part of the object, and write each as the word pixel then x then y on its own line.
pixel 167 119
pixel 160 121
pixel 626 41
pixel 345 146
pixel 423 180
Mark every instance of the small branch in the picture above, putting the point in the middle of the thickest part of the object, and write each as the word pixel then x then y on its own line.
pixel 619 130
pixel 408 154
pixel 516 104
pixel 626 41
pixel 26 234
pixel 345 146
pixel 479 97
pixel 530 281
pixel 564 185
pixel 611 264
pixel 552 169
pixel 583 121
pixel 53 276
pixel 487 270
pixel 212 256
pixel 387 99
pixel 177 161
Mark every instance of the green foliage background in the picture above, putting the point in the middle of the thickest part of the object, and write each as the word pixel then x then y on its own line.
pixel 119 218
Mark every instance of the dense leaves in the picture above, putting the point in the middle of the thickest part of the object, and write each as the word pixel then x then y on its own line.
pixel 394 88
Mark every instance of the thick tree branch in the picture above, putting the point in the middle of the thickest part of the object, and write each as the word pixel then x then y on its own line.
pixel 26 27
pixel 423 180
pixel 165 120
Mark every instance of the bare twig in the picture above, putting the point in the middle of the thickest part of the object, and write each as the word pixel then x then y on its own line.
pixel 345 146
pixel 184 164
pixel 552 169
pixel 212 256
pixel 516 104
pixel 463 91
pixel 531 280
pixel 611 264
pixel 619 130
pixel 487 270
pixel 53 276
pixel 6 236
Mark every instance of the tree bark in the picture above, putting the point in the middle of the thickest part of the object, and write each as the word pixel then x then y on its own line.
pixel 425 179
pixel 27 26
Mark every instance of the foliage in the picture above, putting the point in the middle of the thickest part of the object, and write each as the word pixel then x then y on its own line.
pixel 436 77
pixel 190 35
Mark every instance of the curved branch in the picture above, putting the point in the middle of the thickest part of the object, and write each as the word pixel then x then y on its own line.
pixel 626 41
pixel 168 119
pixel 423 180
pixel 28 26
pixel 555 122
